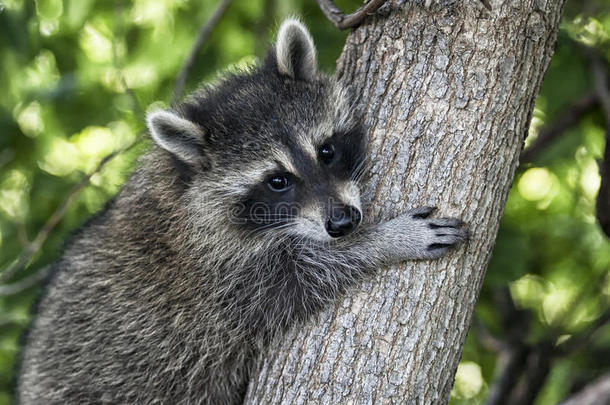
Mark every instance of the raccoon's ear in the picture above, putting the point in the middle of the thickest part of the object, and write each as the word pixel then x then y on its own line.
pixel 179 136
pixel 295 52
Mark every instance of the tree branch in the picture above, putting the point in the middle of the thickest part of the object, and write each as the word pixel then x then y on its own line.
pixel 512 359
pixel 511 363
pixel 566 119
pixel 204 32
pixel 344 21
pixel 603 197
pixel 486 338
pixel 28 282
pixel 537 368
pixel 600 77
pixel 594 393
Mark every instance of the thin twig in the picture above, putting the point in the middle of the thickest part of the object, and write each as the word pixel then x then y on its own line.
pixel 580 340
pixel 119 65
pixel 22 234
pixel 5 322
pixel 510 365
pixel 566 119
pixel 602 207
pixel 36 244
pixel 204 32
pixel 486 338
pixel 344 21
pixel 514 351
pixel 28 282
pixel 600 78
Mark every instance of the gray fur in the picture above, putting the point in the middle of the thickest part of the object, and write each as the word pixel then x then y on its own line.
pixel 295 51
pixel 176 135
pixel 169 295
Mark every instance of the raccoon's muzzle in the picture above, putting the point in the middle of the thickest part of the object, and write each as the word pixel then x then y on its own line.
pixel 343 220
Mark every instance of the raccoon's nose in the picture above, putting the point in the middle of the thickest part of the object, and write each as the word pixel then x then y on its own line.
pixel 343 220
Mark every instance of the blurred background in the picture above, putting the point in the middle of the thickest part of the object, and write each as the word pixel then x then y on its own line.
pixel 76 77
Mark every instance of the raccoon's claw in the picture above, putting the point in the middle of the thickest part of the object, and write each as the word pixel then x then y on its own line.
pixel 448 233
pixel 438 223
pixel 422 212
pixel 437 246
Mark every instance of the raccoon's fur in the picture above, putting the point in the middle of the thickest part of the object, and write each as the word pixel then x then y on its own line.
pixel 243 219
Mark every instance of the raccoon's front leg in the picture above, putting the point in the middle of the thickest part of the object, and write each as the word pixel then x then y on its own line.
pixel 325 271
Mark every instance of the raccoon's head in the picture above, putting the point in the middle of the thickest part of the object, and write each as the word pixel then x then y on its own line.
pixel 276 149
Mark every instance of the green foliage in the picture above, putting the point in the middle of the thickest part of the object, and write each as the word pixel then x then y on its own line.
pixel 77 75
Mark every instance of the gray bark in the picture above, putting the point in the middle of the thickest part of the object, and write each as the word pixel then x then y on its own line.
pixel 596 393
pixel 448 94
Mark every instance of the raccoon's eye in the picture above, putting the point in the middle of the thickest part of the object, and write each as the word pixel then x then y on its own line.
pixel 327 152
pixel 279 183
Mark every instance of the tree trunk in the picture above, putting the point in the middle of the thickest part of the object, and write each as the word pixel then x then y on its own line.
pixel 448 93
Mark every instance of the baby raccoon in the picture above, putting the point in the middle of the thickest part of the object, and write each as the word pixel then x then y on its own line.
pixel 243 219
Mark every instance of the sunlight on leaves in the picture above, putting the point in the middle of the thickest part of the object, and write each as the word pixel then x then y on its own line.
pixel 149 12
pixel 60 159
pixel 556 303
pixel 49 9
pixel 157 14
pixel 83 151
pixel 590 178
pixel 538 121
pixel 94 142
pixel 14 191
pixel 30 120
pixel 11 5
pixel 140 75
pixel 538 184
pixel 96 44
pixel 589 31
pixel 48 12
pixel 528 291
pixel 112 79
pixel 48 27
pixel 468 380
pixel 42 72
pixel 77 11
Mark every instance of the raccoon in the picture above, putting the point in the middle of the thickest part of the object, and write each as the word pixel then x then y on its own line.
pixel 243 219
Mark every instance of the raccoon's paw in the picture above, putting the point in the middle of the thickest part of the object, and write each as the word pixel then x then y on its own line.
pixel 430 238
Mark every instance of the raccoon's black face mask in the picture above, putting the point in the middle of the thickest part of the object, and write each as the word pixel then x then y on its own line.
pixel 309 188
pixel 280 141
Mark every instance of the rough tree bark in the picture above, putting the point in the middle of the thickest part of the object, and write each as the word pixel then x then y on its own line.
pixel 448 94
